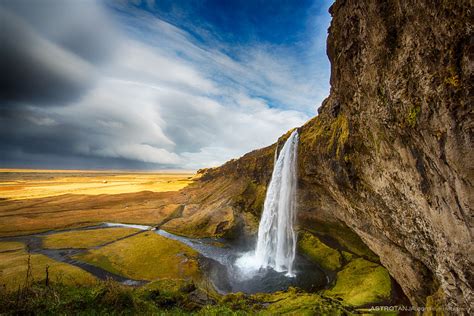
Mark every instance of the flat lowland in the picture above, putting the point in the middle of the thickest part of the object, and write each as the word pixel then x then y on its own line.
pixel 33 201
pixel 19 184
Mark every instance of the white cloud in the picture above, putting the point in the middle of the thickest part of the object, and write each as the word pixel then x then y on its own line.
pixel 141 152
pixel 139 62
pixel 166 100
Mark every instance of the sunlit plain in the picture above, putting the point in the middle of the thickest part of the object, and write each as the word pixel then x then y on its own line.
pixel 20 184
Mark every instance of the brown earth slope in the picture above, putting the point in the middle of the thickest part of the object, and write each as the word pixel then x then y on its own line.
pixel 388 158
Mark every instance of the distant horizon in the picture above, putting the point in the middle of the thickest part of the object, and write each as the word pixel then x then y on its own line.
pixel 39 170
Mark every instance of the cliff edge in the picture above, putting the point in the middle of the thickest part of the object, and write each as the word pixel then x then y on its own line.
pixel 389 157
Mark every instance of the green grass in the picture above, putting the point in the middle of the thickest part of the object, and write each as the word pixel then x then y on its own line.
pixel 146 256
pixel 14 268
pixel 11 246
pixel 104 298
pixel 325 256
pixel 361 282
pixel 158 298
pixel 85 238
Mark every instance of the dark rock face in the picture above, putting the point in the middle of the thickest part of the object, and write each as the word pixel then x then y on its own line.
pixel 389 156
pixel 398 155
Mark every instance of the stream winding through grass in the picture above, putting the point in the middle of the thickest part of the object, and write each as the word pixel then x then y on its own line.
pixel 217 262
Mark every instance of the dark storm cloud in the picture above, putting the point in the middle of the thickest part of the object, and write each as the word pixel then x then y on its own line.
pixel 78 26
pixel 35 70
pixel 50 51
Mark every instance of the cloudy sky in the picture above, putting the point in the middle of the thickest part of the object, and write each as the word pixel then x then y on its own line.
pixel 153 84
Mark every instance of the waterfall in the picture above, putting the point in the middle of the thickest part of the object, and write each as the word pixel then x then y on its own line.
pixel 276 243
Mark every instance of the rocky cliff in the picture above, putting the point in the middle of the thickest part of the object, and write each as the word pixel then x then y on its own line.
pixel 389 157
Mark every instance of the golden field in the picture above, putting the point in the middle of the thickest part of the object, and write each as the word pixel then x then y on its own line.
pixel 33 201
pixel 19 184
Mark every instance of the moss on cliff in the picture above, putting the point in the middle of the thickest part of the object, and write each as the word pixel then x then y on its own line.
pixel 344 237
pixel 327 257
pixel 329 135
pixel 360 283
pixel 339 131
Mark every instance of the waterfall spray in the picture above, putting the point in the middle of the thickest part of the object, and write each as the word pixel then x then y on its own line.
pixel 276 244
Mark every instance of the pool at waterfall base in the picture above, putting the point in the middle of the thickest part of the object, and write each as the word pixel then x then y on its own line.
pixel 221 265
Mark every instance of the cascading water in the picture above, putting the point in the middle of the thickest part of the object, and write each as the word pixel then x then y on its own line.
pixel 276 244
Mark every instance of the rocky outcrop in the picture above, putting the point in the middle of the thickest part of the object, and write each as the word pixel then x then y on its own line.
pixel 389 157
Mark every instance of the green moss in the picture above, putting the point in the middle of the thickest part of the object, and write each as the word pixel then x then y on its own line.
pixel 326 135
pixel 345 237
pixel 339 133
pixel 294 302
pixel 236 301
pixel 347 256
pixel 412 116
pixel 325 256
pixel 361 282
pixel 312 132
